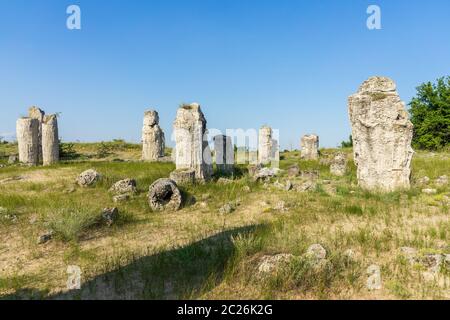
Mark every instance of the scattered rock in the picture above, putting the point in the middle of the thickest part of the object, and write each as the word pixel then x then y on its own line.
pixel 270 264
pixel 13 159
pixel 442 181
pixel 246 189
pixel 316 252
pixel 126 186
pixel 253 169
pixel 293 171
pixel 281 206
pixel 338 166
pixel 423 181
pixel 374 278
pixel 265 174
pixel 183 176
pixel 432 262
pixel 121 198
pixel 110 215
pixel 310 174
pixel 429 191
pixel 305 186
pixel 227 208
pixel 409 253
pixel 224 181
pixel 88 178
pixel 44 238
pixel 164 195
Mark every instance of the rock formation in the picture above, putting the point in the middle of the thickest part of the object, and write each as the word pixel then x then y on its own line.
pixel 224 152
pixel 183 176
pixel 164 195
pixel 310 147
pixel 192 148
pixel 153 141
pixel 265 145
pixel 27 131
pixel 50 140
pixel 338 165
pixel 382 135
pixel 36 113
pixel 88 178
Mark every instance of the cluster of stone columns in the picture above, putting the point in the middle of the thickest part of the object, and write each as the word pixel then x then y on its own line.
pixel 37 138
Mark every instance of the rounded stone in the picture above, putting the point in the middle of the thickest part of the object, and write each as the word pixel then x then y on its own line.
pixel 164 195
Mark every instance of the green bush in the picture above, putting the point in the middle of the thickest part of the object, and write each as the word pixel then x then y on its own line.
pixel 430 114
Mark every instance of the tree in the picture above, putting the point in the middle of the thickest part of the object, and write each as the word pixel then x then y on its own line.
pixel 347 144
pixel 430 114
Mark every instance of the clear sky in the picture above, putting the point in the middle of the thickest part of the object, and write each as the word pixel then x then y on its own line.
pixel 287 63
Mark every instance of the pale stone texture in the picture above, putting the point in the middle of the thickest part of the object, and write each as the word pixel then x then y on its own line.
pixel 265 145
pixel 164 195
pixel 36 113
pixel 310 147
pixel 338 166
pixel 382 135
pixel 50 140
pixel 183 176
pixel 224 152
pixel 27 131
pixel 192 148
pixel 153 140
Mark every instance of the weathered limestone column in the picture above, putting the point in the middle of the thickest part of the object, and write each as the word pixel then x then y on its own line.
pixel 265 145
pixel 275 153
pixel 382 135
pixel 50 140
pixel 224 152
pixel 153 140
pixel 36 113
pixel 310 147
pixel 192 148
pixel 27 131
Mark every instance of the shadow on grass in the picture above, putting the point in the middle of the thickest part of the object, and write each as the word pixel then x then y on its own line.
pixel 181 273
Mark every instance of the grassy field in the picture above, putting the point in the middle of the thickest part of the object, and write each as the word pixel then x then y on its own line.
pixel 198 253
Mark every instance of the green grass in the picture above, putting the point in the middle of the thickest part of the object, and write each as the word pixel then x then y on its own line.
pixel 197 253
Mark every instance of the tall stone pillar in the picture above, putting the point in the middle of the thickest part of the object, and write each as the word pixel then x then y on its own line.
pixel 382 135
pixel 224 152
pixel 265 145
pixel 192 148
pixel 310 147
pixel 27 131
pixel 153 140
pixel 50 140
pixel 36 113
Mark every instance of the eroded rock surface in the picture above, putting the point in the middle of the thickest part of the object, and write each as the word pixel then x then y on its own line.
pixel 382 134
pixel 164 195
pixel 153 140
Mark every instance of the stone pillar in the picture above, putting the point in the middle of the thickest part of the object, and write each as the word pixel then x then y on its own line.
pixel 50 140
pixel 310 147
pixel 224 152
pixel 275 153
pixel 192 148
pixel 265 145
pixel 382 135
pixel 36 113
pixel 27 131
pixel 153 141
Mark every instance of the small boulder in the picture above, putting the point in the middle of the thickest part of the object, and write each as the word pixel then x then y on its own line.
pixel 441 181
pixel 374 278
pixel 183 176
pixel 164 195
pixel 88 178
pixel 227 208
pixel 14 158
pixel 293 171
pixel 423 181
pixel 270 264
pixel 429 191
pixel 45 237
pixel 110 215
pixel 316 252
pixel 224 181
pixel 126 186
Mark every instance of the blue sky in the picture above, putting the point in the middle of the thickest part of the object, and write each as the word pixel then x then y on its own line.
pixel 287 63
